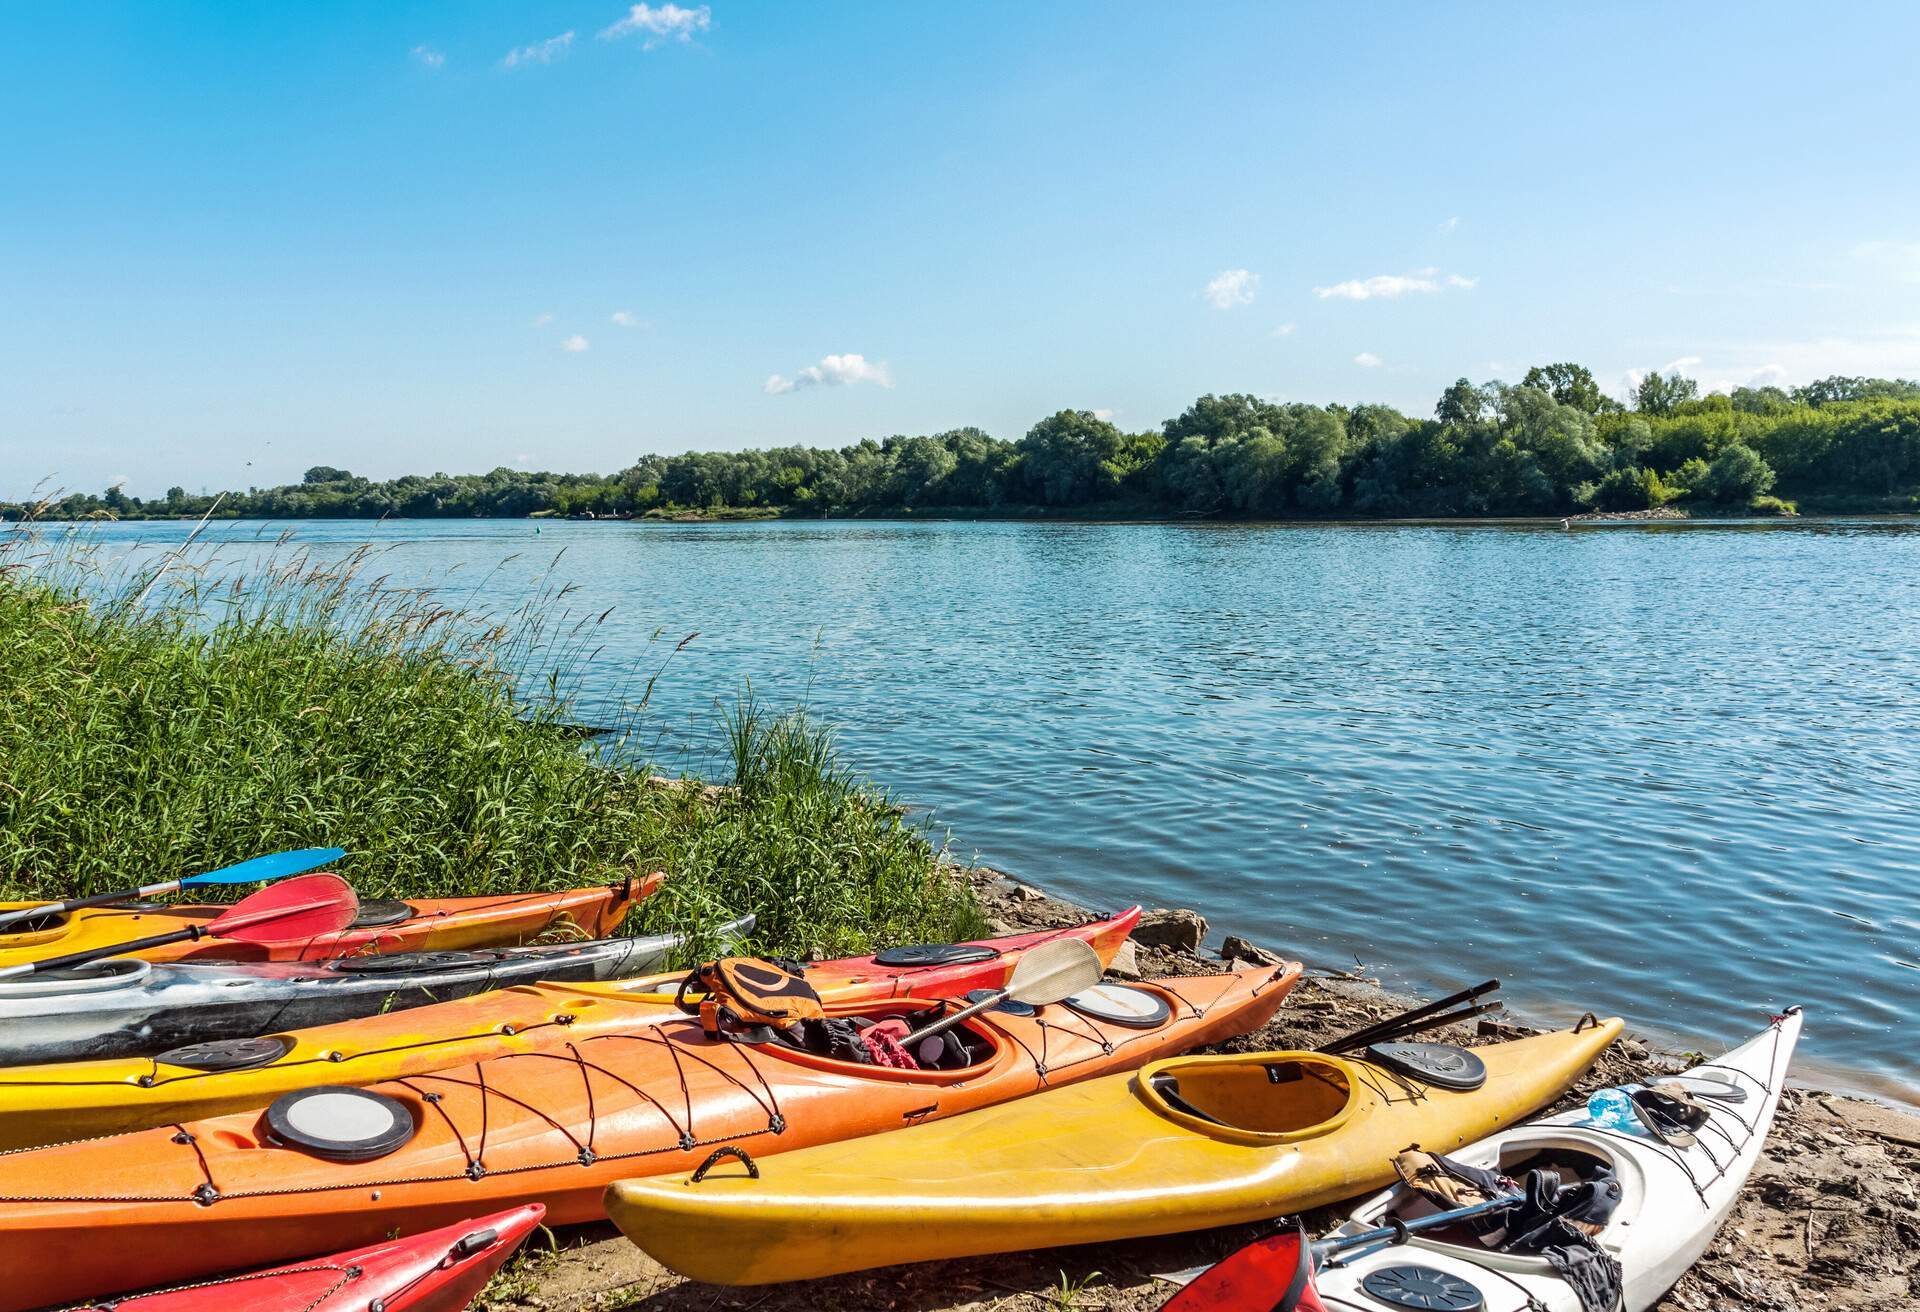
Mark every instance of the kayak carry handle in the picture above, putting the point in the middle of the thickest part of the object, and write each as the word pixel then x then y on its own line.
pixel 713 1159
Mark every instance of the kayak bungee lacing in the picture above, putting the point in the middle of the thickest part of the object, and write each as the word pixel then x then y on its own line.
pixel 347 1274
pixel 1102 1043
pixel 1713 1107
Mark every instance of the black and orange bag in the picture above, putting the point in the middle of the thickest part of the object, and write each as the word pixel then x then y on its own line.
pixel 746 992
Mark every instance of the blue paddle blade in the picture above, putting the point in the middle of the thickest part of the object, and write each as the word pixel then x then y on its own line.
pixel 263 868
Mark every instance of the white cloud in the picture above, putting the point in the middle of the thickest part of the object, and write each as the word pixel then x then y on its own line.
pixel 1900 258
pixel 540 52
pixel 1284 330
pixel 428 56
pixel 119 480
pixel 1389 286
pixel 1367 360
pixel 1231 287
pixel 542 319
pixel 523 459
pixel 625 319
pixel 1104 413
pixel 1450 224
pixel 575 344
pixel 1684 362
pixel 668 22
pixel 832 371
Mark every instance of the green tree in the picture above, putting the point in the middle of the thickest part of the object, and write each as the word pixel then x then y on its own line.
pixel 1570 384
pixel 1737 476
pixel 1072 457
pixel 1658 393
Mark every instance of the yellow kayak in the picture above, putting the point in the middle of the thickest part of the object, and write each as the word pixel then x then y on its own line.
pixel 1183 1144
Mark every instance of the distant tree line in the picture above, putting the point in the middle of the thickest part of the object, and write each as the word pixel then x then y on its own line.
pixel 1553 444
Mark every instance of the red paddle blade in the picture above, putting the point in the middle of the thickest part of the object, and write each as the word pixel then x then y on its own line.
pixel 1266 1275
pixel 308 907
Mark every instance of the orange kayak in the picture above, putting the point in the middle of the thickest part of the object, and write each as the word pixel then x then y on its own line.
pixel 554 1127
pixel 57 1101
pixel 419 924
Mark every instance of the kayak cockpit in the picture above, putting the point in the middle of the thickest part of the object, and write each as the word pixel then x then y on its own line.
pixel 1571 1163
pixel 1254 1098
pixel 840 1043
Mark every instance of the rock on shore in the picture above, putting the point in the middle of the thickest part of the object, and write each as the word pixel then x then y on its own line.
pixel 1829 1219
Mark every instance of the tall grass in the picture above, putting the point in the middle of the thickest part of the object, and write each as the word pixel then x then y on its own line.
pixel 183 718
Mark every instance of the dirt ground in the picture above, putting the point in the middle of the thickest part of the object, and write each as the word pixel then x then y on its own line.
pixel 1830 1218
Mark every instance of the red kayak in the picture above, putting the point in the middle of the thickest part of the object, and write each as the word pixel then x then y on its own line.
pixel 1274 1274
pixel 440 1271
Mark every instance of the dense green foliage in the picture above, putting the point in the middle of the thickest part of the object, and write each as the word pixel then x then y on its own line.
pixel 195 726
pixel 1552 445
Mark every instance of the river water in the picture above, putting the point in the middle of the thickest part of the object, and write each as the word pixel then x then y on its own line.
pixel 1665 771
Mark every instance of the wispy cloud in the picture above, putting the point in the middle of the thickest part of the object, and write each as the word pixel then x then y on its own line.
pixel 575 344
pixel 1450 224
pixel 832 371
pixel 1900 258
pixel 1368 360
pixel 428 56
pixel 661 23
pixel 1284 330
pixel 1683 362
pixel 540 52
pixel 1231 287
pixel 1103 413
pixel 543 319
pixel 1390 286
pixel 625 319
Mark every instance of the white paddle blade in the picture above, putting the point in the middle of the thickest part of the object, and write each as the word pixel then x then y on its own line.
pixel 1054 971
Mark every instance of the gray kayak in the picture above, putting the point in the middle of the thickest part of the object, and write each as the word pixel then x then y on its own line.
pixel 123 1007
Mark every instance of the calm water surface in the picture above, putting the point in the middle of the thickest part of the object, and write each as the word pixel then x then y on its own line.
pixel 1672 773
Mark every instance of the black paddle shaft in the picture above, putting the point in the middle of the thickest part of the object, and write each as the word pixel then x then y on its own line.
pixel 187 935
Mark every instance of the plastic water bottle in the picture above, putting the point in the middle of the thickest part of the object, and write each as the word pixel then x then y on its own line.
pixel 1612 1109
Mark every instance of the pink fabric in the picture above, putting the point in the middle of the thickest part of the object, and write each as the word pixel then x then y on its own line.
pixel 886 1050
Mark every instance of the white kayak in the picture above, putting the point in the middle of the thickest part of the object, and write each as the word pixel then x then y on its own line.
pixel 126 1007
pixel 1672 1200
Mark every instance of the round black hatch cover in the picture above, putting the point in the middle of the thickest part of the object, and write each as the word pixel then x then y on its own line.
pixel 1424 1288
pixel 1122 1004
pixel 380 913
pixel 936 954
pixel 1007 1005
pixel 339 1122
pixel 228 1054
pixel 412 963
pixel 1439 1064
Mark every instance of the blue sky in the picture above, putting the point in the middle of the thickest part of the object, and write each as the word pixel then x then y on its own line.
pixel 239 240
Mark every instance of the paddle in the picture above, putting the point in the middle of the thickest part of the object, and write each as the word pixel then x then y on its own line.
pixel 1403 1024
pixel 308 907
pixel 259 870
pixel 1370 1240
pixel 1047 973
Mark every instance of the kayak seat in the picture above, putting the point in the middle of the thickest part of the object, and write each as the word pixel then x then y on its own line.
pixel 1169 1090
pixel 1265 1097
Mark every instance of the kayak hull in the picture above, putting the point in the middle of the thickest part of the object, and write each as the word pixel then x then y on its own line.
pixel 1663 1222
pixel 427 925
pixel 1102 1160
pixel 554 1127
pixel 443 1270
pixel 139 1009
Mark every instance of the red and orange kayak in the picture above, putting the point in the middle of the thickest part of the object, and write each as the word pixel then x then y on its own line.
pixel 336 1166
pixel 441 1271
pixel 418 924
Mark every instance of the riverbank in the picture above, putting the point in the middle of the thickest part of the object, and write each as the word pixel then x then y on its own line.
pixel 1828 1220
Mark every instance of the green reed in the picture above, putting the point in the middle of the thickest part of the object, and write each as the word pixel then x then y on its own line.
pixel 186 716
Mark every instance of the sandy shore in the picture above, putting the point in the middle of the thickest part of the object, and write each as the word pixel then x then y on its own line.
pixel 1830 1218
